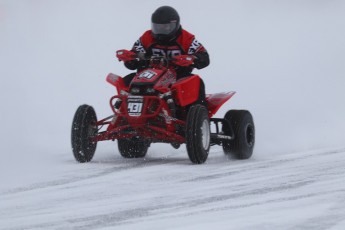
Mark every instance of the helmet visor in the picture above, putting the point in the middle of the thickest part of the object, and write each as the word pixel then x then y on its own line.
pixel 166 28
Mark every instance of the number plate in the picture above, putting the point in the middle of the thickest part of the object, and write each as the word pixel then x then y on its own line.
pixel 148 74
pixel 135 105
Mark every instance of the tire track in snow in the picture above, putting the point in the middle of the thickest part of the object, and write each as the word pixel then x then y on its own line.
pixel 240 186
pixel 284 159
pixel 131 164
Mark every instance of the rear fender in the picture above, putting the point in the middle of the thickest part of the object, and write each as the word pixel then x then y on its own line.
pixel 117 81
pixel 215 101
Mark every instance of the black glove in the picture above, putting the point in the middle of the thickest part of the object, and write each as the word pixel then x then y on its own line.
pixel 132 65
pixel 202 60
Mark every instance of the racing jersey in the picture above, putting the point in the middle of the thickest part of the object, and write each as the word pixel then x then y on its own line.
pixel 185 43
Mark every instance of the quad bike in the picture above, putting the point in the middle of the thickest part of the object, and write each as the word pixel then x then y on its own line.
pixel 156 107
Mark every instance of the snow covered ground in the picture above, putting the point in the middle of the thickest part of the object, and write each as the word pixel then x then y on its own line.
pixel 303 190
pixel 285 59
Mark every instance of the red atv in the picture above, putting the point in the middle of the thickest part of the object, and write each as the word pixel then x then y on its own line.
pixel 156 107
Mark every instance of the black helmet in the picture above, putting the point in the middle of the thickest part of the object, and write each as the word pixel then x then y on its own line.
pixel 165 23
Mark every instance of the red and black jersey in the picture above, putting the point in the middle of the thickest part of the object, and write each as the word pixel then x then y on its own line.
pixel 184 43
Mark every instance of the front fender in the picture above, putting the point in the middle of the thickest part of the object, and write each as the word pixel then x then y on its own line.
pixel 186 90
pixel 117 81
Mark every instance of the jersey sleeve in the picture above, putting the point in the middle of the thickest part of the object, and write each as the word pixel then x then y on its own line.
pixel 143 43
pixel 140 46
pixel 193 47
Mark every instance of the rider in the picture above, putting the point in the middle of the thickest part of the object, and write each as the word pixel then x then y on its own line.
pixel 167 38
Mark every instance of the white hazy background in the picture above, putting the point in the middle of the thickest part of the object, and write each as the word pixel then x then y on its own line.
pixel 285 59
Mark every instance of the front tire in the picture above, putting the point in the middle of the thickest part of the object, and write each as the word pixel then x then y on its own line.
pixel 241 147
pixel 198 134
pixel 83 129
pixel 133 148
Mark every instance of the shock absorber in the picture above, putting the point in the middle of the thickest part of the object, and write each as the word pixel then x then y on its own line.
pixel 169 99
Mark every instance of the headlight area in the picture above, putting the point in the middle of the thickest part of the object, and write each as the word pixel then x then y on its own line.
pixel 143 90
pixel 150 91
pixel 135 90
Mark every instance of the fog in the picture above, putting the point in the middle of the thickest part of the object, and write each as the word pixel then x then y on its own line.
pixel 285 60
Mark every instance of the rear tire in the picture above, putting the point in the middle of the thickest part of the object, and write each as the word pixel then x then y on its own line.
pixel 198 134
pixel 241 147
pixel 83 129
pixel 133 148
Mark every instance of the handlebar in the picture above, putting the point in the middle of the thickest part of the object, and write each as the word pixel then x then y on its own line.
pixel 154 61
pixel 161 61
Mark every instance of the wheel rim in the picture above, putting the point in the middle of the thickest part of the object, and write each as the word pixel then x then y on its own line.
pixel 250 135
pixel 92 130
pixel 205 134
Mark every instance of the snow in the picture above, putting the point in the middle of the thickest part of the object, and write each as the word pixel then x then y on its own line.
pixel 302 190
pixel 285 59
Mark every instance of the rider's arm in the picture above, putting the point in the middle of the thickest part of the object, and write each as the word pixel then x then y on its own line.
pixel 193 47
pixel 138 47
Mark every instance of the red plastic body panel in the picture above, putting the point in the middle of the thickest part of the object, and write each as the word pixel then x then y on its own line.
pixel 215 101
pixel 154 119
pixel 186 90
pixel 164 83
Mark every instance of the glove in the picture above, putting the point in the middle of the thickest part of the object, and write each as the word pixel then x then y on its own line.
pixel 125 55
pixel 183 60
